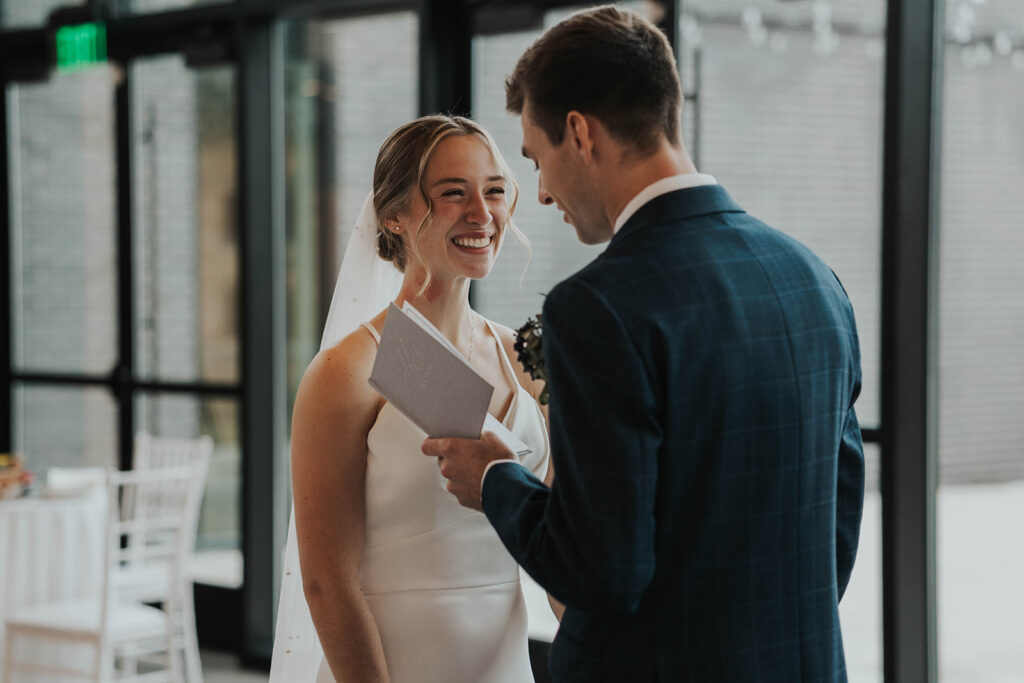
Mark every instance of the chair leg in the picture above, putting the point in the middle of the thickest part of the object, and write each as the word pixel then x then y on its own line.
pixel 8 656
pixel 131 665
pixel 175 654
pixel 193 665
pixel 104 669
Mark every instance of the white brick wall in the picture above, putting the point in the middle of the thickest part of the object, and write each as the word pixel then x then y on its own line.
pixel 796 138
pixel 63 252
pixel 165 145
pixel 374 65
pixel 981 249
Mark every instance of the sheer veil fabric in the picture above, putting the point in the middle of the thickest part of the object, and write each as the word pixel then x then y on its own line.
pixel 366 285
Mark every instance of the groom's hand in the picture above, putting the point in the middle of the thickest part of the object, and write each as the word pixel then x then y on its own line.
pixel 463 461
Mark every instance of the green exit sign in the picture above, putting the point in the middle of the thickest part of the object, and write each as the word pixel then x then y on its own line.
pixel 82 45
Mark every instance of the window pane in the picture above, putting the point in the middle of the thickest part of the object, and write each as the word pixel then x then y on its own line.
pixel 349 84
pixel 64 427
pixel 788 116
pixel 555 252
pixel 63 219
pixel 371 69
pixel 186 233
pixel 190 417
pixel 785 109
pixel 981 322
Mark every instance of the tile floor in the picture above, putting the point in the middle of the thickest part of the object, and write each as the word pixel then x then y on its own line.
pixel 220 667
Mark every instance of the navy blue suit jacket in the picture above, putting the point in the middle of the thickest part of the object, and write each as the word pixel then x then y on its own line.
pixel 709 469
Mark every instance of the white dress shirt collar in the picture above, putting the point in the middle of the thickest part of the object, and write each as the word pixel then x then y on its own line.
pixel 660 187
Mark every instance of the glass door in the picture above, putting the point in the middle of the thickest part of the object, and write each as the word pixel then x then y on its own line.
pixel 125 277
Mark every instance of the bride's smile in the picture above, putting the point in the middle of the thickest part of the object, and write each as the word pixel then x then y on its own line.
pixel 474 242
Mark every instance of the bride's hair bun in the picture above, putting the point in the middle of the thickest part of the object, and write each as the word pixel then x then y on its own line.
pixel 390 247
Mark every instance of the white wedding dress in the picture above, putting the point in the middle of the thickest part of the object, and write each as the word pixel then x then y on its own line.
pixel 443 590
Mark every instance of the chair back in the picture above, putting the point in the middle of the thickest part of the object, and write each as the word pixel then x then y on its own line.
pixel 157 452
pixel 156 530
pixel 161 451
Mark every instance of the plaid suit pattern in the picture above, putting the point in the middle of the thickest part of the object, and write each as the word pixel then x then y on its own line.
pixel 709 465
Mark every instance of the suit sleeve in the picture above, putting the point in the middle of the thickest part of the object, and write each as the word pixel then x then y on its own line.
pixel 589 540
pixel 849 496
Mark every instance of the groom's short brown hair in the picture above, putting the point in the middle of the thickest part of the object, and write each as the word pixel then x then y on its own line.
pixel 610 63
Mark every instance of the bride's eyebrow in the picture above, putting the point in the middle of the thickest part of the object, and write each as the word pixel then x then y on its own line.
pixel 445 181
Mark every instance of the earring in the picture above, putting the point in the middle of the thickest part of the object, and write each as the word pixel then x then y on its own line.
pixel 396 229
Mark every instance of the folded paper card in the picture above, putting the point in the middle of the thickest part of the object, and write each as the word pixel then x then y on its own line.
pixel 423 375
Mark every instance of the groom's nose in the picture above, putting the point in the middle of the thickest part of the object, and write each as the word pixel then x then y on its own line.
pixel 542 195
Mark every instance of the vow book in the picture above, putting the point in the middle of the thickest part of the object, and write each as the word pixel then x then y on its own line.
pixel 422 374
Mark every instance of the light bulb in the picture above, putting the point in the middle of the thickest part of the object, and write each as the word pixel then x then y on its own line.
pixel 751 17
pixel 1003 43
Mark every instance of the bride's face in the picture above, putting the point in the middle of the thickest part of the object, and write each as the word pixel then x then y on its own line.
pixel 469 212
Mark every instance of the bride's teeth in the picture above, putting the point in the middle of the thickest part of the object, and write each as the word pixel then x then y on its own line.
pixel 478 243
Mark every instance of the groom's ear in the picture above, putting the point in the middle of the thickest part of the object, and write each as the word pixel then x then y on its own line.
pixel 580 135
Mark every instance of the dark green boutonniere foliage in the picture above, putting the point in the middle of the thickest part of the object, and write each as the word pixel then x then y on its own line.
pixel 530 350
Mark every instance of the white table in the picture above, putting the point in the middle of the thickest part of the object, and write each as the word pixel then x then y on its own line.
pixel 50 549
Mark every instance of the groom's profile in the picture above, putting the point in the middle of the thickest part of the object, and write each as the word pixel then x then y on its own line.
pixel 704 516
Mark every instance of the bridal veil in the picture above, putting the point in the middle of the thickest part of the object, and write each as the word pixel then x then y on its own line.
pixel 366 285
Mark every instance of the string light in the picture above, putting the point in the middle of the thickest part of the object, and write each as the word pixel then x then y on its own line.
pixel 976 50
pixel 1003 44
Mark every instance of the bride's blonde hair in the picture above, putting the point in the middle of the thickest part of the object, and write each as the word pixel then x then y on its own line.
pixel 400 166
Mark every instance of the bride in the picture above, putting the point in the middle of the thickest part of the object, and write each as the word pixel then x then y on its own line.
pixel 402 584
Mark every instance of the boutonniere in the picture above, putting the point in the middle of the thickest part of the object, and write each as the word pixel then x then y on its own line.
pixel 530 350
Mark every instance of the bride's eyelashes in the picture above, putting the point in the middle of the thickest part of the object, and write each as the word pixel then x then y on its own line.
pixel 460 193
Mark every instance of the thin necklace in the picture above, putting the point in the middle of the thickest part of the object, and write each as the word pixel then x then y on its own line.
pixel 472 333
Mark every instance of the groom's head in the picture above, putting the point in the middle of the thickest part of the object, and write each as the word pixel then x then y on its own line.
pixel 603 75
pixel 610 63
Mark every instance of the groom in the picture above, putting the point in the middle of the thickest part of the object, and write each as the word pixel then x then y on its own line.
pixel 705 512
